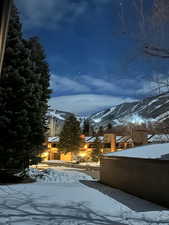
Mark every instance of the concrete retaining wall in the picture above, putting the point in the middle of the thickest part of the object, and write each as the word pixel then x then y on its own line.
pixel 145 178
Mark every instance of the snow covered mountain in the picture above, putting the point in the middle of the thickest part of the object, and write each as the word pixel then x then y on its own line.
pixel 56 121
pixel 152 109
pixel 59 115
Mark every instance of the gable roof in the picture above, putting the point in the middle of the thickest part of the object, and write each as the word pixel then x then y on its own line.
pixel 53 139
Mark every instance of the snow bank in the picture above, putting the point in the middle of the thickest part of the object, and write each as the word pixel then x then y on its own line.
pixel 56 161
pixel 56 176
pixel 50 162
pixel 94 164
pixel 155 151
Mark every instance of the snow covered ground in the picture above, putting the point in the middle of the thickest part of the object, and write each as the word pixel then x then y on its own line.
pixel 95 164
pixel 60 199
pixel 152 151
pixel 58 176
pixel 82 163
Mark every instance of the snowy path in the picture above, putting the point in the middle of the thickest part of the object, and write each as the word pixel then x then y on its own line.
pixel 55 202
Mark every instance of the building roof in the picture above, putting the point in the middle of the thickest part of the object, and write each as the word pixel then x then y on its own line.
pixel 118 138
pixel 158 138
pixel 53 139
pixel 90 139
pixel 150 151
pixel 124 139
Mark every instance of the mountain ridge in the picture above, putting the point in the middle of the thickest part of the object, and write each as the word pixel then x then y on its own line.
pixel 150 109
pixel 154 109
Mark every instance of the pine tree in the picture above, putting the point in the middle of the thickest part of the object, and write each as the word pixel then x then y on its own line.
pixel 97 150
pixel 14 121
pixel 100 131
pixel 70 140
pixel 92 131
pixel 40 82
pixel 109 126
pixel 86 127
pixel 23 101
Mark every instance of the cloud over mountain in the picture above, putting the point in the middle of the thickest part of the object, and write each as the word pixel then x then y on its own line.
pixel 85 102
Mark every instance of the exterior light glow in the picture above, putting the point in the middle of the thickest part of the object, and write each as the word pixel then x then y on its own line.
pixel 82 154
pixel 45 154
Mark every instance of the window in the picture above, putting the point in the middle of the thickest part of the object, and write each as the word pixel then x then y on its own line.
pixel 54 145
pixel 92 146
pixel 107 145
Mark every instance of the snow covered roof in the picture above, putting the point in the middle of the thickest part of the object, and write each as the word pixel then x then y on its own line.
pixel 123 139
pixel 101 138
pixel 87 139
pixel 152 151
pixel 118 138
pixel 158 138
pixel 92 139
pixel 55 115
pixel 53 139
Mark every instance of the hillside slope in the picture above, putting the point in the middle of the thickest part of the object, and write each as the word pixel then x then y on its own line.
pixel 152 109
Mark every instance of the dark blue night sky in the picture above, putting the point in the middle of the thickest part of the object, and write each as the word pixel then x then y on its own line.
pixel 93 65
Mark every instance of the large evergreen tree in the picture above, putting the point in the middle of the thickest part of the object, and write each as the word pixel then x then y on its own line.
pixel 100 131
pixel 86 127
pixel 23 100
pixel 96 152
pixel 109 126
pixel 40 95
pixel 70 136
